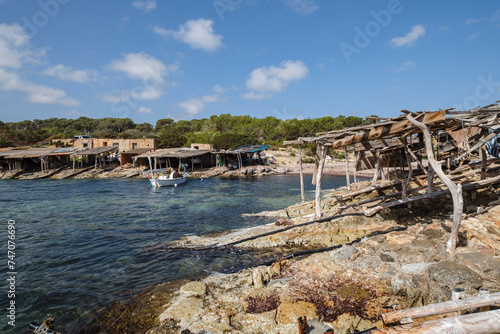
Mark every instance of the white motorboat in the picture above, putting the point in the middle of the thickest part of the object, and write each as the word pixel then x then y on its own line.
pixel 164 179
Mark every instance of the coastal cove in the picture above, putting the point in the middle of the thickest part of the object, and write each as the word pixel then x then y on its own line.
pixel 81 244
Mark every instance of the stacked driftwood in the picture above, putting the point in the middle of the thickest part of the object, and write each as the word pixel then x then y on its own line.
pixel 416 144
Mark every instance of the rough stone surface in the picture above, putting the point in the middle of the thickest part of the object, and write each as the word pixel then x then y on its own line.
pixel 416 268
pixel 289 312
pixel 450 275
pixel 195 289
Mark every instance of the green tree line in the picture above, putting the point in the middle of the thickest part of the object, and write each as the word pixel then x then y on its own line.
pixel 224 131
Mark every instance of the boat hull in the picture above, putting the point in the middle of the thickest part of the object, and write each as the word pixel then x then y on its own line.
pixel 164 181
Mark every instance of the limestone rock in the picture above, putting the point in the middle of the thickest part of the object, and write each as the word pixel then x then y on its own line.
pixel 194 289
pixel 289 312
pixel 450 275
pixel 184 308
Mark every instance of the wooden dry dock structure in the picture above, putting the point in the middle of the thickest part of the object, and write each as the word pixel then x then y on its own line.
pixel 171 157
pixel 431 143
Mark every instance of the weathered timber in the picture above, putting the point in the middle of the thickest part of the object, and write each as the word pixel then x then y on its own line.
pixel 466 187
pixel 480 323
pixel 442 308
pixel 388 130
pixel 483 163
pixel 348 178
pixel 318 181
pixel 302 196
pixel 377 169
pixel 456 190
pixel 475 147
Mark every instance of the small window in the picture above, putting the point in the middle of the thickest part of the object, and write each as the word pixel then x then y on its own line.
pixel 105 144
pixel 134 146
pixel 85 145
pixel 196 147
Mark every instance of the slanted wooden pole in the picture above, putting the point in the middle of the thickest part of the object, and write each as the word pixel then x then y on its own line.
pixel 302 196
pixel 430 179
pixel 318 180
pixel 406 183
pixel 347 176
pixel 455 189
pixel 356 161
pixel 483 163
pixel 377 169
pixel 317 159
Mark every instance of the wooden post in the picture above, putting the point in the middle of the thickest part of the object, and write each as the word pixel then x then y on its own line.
pixel 302 196
pixel 95 164
pixel 483 292
pixel 410 169
pixel 356 160
pixel 377 169
pixel 457 294
pixel 318 181
pixel 455 189
pixel 430 179
pixel 483 163
pixel 348 178
pixel 316 163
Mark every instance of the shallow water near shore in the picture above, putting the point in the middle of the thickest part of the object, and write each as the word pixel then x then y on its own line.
pixel 80 244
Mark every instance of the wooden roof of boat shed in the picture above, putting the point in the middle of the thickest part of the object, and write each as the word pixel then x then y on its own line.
pixel 485 117
pixel 183 152
pixel 30 153
pixel 96 150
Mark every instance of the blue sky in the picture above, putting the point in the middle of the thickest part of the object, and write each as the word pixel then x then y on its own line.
pixel 152 59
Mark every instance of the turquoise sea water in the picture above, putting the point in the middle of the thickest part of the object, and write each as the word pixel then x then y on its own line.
pixel 80 243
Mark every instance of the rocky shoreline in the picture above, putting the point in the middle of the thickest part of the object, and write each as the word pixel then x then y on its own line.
pixel 344 288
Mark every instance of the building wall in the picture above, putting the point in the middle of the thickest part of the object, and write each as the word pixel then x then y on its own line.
pixel 123 144
pixel 202 146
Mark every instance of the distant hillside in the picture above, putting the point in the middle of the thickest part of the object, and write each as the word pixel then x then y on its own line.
pixel 223 131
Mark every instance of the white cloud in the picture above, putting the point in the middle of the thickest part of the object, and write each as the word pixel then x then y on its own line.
pixel 404 66
pixel 145 5
pixel 474 20
pixel 138 93
pixel 304 7
pixel 255 96
pixel 198 34
pixel 70 74
pixel 264 81
pixel 15 51
pixel 10 81
pixel 144 110
pixel 473 36
pixel 73 114
pixel 13 46
pixel 417 31
pixel 142 66
pixel 195 105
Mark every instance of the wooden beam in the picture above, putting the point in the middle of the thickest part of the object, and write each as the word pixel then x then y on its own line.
pixel 483 163
pixel 475 147
pixel 483 323
pixel 455 189
pixel 389 130
pixel 465 187
pixel 318 180
pixel 441 308
pixel 302 196
pixel 348 177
